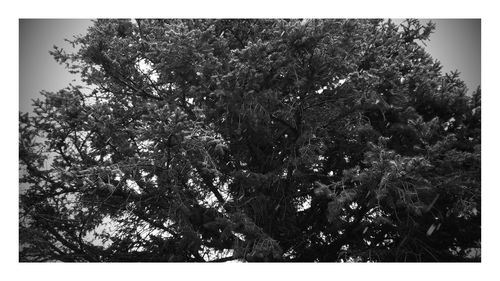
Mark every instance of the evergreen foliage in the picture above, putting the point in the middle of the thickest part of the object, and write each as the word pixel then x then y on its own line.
pixel 257 140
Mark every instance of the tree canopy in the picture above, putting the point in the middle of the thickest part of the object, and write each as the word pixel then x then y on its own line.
pixel 252 140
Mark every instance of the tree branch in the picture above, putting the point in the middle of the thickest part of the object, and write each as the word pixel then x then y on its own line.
pixel 224 259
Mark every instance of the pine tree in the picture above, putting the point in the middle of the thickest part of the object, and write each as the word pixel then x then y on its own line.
pixel 256 140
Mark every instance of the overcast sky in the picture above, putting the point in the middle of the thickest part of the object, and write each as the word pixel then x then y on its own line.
pixel 37 68
pixel 455 42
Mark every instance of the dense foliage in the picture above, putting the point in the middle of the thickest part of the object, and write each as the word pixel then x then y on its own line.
pixel 256 140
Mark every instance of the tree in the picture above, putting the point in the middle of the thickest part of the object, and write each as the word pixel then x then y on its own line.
pixel 256 140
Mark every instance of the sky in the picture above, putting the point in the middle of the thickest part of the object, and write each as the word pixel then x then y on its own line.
pixel 455 42
pixel 37 68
